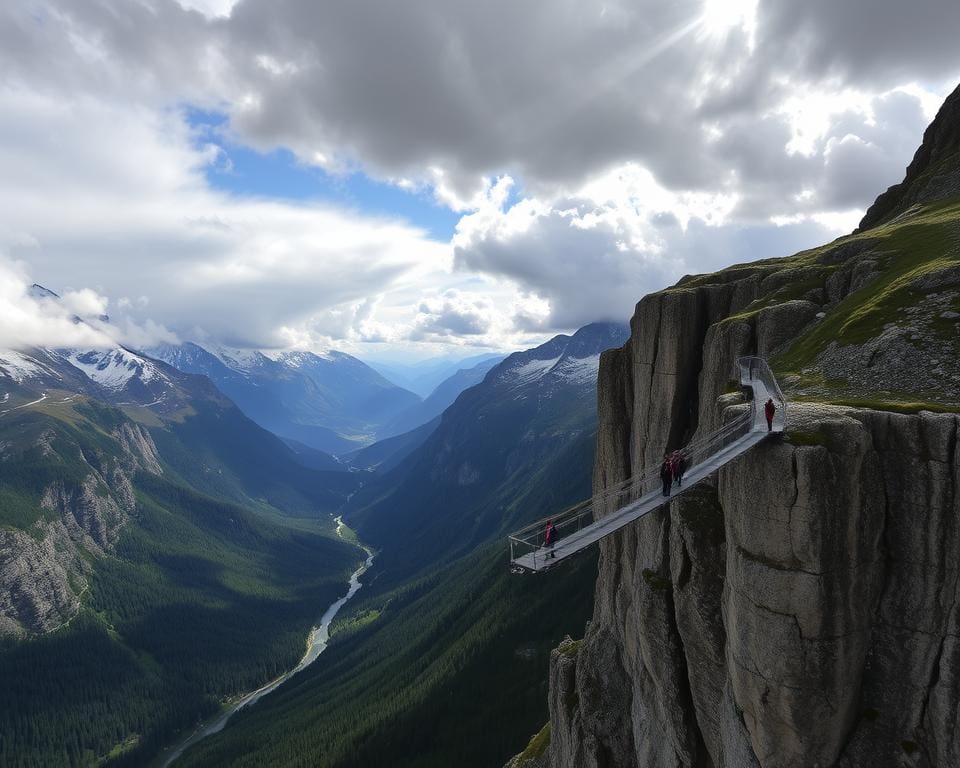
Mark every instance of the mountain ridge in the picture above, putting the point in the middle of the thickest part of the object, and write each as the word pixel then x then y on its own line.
pixel 333 403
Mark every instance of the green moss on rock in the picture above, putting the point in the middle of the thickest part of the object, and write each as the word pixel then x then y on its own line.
pixel 536 748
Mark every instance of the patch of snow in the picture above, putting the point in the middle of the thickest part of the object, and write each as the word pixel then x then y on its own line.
pixel 19 366
pixel 242 360
pixel 114 368
pixel 528 372
pixel 296 359
pixel 579 370
pixel 42 397
pixel 37 291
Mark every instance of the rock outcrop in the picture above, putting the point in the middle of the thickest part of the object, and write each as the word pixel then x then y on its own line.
pixel 802 612
pixel 44 571
pixel 934 173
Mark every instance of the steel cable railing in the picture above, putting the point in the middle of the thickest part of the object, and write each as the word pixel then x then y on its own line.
pixel 569 522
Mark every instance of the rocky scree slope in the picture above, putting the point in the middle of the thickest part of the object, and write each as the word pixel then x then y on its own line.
pixel 803 609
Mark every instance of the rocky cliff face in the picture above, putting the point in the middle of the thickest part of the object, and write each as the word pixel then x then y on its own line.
pixel 800 609
pixel 43 571
pixel 802 612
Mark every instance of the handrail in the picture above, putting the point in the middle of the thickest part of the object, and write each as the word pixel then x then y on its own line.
pixel 749 370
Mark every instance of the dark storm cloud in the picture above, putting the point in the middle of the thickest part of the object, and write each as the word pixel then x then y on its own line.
pixel 446 94
pixel 452 314
pixel 554 93
pixel 872 43
pixel 551 93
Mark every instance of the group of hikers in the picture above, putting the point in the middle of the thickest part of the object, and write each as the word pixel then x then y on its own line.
pixel 672 469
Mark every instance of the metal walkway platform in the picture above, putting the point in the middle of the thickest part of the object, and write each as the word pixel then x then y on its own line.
pixel 593 519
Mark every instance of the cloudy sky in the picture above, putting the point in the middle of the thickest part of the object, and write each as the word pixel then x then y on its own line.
pixel 434 174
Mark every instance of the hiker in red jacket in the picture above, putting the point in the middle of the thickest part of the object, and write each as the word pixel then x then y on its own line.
pixel 769 410
pixel 550 537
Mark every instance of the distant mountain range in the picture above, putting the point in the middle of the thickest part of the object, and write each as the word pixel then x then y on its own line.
pixel 332 402
pixel 442 625
pixel 425 376
pixel 442 397
pixel 465 482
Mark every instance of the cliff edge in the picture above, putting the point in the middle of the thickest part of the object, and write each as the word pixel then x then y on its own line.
pixel 802 608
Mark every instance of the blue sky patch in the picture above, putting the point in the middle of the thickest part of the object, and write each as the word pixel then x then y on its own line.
pixel 245 171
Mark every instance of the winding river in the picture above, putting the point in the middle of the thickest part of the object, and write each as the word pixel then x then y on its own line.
pixel 316 644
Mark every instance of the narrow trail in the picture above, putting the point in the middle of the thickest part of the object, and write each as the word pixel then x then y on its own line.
pixel 43 397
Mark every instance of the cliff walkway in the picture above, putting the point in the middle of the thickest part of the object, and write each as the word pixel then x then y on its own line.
pixel 589 521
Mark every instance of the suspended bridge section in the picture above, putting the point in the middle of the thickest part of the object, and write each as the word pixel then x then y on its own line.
pixel 586 523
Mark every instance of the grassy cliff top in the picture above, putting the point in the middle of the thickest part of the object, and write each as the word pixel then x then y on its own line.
pixel 886 312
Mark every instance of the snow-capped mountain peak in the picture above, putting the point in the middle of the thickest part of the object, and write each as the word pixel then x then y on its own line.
pixel 563 361
pixel 113 368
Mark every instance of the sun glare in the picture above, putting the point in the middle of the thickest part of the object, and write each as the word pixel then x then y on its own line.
pixel 721 17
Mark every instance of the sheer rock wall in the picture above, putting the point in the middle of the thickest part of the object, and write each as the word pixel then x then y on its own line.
pixel 802 610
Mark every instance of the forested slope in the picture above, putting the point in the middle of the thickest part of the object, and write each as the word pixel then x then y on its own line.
pixel 437 663
pixel 152 566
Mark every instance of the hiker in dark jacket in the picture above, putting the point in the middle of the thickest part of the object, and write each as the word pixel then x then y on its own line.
pixel 679 467
pixel 666 475
pixel 769 410
pixel 550 538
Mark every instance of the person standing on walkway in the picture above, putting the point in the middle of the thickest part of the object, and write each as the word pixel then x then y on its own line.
pixel 666 475
pixel 769 410
pixel 550 538
pixel 679 467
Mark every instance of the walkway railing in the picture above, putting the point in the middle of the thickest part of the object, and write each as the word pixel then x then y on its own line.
pixel 582 524
pixel 754 371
